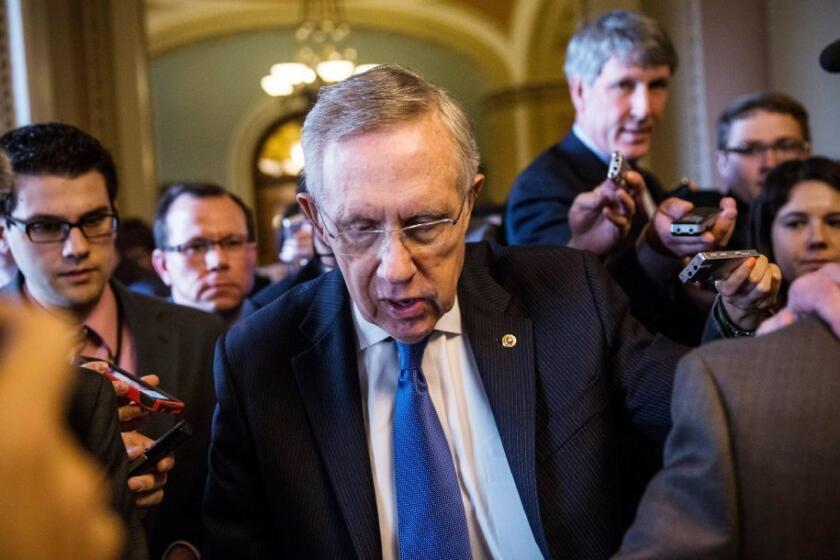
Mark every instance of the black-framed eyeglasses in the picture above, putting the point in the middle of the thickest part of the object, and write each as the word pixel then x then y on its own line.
pixel 417 238
pixel 96 226
pixel 754 149
pixel 200 247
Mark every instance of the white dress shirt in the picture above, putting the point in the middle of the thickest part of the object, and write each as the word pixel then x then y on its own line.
pixel 496 519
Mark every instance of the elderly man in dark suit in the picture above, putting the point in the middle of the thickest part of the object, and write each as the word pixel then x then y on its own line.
pixel 59 221
pixel 427 398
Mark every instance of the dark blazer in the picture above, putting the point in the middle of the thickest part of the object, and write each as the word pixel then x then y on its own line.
pixel 751 466
pixel 537 211
pixel 176 343
pixel 312 269
pixel 290 474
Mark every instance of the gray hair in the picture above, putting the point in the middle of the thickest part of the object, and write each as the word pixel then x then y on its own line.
pixel 382 97
pixel 628 36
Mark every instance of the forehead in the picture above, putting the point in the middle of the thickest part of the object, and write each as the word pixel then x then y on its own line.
pixel 191 216
pixel 813 196
pixel 764 126
pixel 617 68
pixel 60 196
pixel 408 165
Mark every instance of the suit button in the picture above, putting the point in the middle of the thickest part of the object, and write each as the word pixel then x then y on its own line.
pixel 508 341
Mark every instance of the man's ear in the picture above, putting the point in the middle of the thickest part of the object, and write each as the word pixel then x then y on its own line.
pixel 310 210
pixel 159 262
pixel 478 183
pixel 576 90
pixel 720 162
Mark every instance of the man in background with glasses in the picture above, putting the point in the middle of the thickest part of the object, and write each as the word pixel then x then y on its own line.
pixel 59 220
pixel 757 132
pixel 427 398
pixel 205 248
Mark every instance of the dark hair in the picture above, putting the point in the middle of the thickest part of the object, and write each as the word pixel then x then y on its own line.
pixel 776 192
pixel 770 102
pixel 55 149
pixel 134 232
pixel 195 190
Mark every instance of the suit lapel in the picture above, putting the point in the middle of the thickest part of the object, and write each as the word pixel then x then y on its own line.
pixel 506 366
pixel 587 165
pixel 328 379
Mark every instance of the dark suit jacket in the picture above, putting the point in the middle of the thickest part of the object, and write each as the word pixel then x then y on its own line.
pixel 752 466
pixel 312 269
pixel 290 474
pixel 176 343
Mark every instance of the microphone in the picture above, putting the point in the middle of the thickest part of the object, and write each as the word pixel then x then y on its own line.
pixel 830 57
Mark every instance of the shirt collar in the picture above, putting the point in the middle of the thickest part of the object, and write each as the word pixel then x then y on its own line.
pixel 370 333
pixel 586 141
pixel 104 318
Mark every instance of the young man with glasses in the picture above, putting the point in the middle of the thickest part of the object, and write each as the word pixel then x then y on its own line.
pixel 59 221
pixel 757 132
pixel 205 248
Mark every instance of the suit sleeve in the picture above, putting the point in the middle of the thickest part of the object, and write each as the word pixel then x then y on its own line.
pixel 93 418
pixel 537 212
pixel 689 510
pixel 236 515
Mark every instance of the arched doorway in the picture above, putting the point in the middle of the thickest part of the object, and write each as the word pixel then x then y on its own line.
pixel 277 163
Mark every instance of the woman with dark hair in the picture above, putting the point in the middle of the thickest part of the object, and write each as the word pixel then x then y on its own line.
pixel 796 219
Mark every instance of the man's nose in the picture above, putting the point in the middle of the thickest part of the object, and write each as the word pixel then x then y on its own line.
pixel 771 157
pixel 640 102
pixel 216 258
pixel 396 264
pixel 76 246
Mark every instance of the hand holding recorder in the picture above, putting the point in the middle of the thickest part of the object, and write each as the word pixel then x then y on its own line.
pixel 711 237
pixel 601 218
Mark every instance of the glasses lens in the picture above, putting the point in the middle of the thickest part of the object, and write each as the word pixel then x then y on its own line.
pixel 46 232
pixel 98 226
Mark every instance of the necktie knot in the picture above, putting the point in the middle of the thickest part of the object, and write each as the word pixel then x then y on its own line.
pixel 411 355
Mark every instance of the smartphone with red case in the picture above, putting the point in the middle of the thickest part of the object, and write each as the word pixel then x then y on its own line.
pixel 139 392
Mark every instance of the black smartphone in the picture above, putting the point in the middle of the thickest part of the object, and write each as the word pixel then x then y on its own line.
pixel 151 398
pixel 714 265
pixel 163 446
pixel 696 222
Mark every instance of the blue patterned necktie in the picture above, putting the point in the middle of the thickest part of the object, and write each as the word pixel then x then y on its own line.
pixel 430 513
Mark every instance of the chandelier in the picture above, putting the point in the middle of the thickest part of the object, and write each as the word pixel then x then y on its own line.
pixel 323 53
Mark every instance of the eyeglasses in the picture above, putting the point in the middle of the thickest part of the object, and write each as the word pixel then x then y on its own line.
pixel 784 147
pixel 97 226
pixel 426 237
pixel 200 247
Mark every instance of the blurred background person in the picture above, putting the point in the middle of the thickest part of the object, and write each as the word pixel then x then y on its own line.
pixel 53 503
pixel 754 134
pixel 135 243
pixel 205 248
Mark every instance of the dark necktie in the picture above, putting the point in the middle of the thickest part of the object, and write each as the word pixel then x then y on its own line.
pixel 430 513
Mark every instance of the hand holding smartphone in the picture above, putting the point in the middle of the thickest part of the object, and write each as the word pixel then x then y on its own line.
pixel 139 392
pixel 162 447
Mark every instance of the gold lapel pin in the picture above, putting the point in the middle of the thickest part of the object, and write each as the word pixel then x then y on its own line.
pixel 508 341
